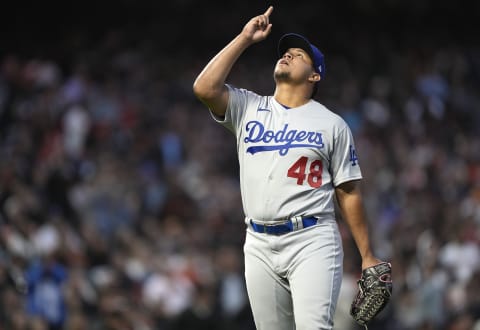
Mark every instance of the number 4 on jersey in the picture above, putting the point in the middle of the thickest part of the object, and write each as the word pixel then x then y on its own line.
pixel 297 171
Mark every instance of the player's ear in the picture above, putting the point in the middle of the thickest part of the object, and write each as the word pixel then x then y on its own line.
pixel 314 77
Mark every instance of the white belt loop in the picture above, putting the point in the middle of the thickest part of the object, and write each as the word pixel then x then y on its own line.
pixel 297 223
pixel 248 222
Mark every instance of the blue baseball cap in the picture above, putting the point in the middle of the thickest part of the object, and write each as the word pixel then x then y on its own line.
pixel 294 40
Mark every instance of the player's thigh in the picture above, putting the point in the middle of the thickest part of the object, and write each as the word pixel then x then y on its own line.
pixel 268 294
pixel 316 279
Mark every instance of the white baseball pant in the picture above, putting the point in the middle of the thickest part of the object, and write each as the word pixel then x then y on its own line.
pixel 293 280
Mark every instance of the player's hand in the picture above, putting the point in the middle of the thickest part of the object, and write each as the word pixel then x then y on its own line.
pixel 259 27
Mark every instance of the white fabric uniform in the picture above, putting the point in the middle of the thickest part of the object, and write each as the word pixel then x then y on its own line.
pixel 290 162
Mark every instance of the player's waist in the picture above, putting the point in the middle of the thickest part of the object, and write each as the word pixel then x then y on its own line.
pixel 281 227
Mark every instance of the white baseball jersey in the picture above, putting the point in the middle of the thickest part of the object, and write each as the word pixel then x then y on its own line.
pixel 290 158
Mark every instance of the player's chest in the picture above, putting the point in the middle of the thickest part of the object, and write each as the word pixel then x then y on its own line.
pixel 284 132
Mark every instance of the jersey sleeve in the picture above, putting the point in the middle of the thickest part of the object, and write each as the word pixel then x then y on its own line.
pixel 344 162
pixel 238 102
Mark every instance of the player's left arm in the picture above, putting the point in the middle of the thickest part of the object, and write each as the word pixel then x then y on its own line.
pixel 350 202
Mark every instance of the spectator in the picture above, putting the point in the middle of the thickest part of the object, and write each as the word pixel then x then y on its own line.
pixel 139 212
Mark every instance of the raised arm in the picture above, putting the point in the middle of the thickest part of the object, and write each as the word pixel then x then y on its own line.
pixel 351 205
pixel 209 87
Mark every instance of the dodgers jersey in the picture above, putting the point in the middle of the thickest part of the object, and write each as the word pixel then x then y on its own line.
pixel 290 158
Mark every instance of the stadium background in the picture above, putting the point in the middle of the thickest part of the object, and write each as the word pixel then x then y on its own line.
pixel 119 195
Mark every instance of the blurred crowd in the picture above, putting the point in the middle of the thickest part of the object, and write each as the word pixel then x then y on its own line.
pixel 119 194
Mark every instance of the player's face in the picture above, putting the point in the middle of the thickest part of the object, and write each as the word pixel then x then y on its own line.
pixel 294 65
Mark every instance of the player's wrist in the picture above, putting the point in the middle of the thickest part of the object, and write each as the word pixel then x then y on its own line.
pixel 245 39
pixel 369 261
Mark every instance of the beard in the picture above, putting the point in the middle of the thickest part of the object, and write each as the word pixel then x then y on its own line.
pixel 281 76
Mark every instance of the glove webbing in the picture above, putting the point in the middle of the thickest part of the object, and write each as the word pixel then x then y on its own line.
pixel 372 303
pixel 376 300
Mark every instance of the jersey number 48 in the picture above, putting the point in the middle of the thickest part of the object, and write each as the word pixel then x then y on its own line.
pixel 314 176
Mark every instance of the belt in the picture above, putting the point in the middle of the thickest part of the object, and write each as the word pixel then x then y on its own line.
pixel 292 224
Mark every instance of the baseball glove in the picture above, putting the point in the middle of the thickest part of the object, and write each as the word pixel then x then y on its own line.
pixel 375 290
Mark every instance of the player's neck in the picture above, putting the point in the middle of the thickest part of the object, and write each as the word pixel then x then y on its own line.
pixel 291 96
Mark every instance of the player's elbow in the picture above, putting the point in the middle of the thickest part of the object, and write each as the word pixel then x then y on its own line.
pixel 204 91
pixel 215 97
pixel 199 92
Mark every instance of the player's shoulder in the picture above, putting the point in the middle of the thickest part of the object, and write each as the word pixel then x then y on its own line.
pixel 242 92
pixel 333 118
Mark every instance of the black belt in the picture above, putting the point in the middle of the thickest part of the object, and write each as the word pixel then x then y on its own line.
pixel 286 227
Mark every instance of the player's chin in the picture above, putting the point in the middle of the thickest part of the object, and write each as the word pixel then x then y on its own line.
pixel 281 74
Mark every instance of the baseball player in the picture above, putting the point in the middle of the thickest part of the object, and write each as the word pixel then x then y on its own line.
pixel 295 157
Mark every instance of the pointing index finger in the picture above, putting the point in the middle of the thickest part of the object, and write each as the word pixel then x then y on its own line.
pixel 269 11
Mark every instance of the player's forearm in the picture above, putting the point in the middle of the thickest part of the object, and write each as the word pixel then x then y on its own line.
pixel 211 81
pixel 351 205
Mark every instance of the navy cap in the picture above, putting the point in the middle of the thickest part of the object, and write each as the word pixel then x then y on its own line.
pixel 294 40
